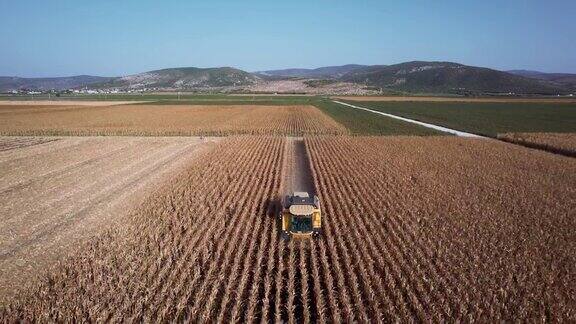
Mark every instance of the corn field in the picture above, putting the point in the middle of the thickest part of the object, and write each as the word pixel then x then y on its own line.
pixel 446 229
pixel 562 143
pixel 436 229
pixel 165 120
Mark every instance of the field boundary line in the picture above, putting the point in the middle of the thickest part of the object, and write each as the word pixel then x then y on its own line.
pixel 436 127
pixel 540 147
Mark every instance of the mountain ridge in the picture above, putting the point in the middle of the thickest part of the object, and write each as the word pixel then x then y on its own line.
pixel 183 78
pixel 8 83
pixel 567 79
pixel 410 77
pixel 321 72
pixel 450 77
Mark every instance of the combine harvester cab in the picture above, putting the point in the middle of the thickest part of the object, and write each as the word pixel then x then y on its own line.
pixel 300 216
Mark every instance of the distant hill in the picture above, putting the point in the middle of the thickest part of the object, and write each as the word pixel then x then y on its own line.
pixel 415 77
pixel 57 83
pixel 328 72
pixel 567 79
pixel 183 78
pixel 448 77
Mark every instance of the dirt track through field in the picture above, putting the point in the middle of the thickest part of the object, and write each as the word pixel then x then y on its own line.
pixel 297 175
pixel 55 194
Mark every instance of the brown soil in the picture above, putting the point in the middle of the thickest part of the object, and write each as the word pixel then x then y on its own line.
pixel 11 143
pixel 55 195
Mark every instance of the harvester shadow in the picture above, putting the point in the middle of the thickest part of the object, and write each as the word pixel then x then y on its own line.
pixel 274 208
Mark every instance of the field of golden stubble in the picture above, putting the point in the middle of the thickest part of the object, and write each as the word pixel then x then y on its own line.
pixel 58 192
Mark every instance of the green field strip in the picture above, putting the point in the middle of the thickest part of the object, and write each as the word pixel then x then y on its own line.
pixel 487 119
pixel 365 123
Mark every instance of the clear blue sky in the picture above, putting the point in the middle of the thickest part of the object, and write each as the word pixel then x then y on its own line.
pixel 105 37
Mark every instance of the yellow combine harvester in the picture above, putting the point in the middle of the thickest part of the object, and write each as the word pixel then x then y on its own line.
pixel 300 216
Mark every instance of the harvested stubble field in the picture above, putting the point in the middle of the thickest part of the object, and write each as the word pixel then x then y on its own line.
pixel 168 120
pixel 418 229
pixel 562 143
pixel 16 142
pixel 56 193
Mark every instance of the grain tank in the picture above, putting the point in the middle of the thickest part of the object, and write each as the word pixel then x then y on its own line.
pixel 300 216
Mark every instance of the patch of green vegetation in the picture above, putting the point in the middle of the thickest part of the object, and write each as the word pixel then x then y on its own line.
pixel 172 98
pixel 487 119
pixel 319 83
pixel 361 122
pixel 240 100
pixel 112 97
pixel 145 96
